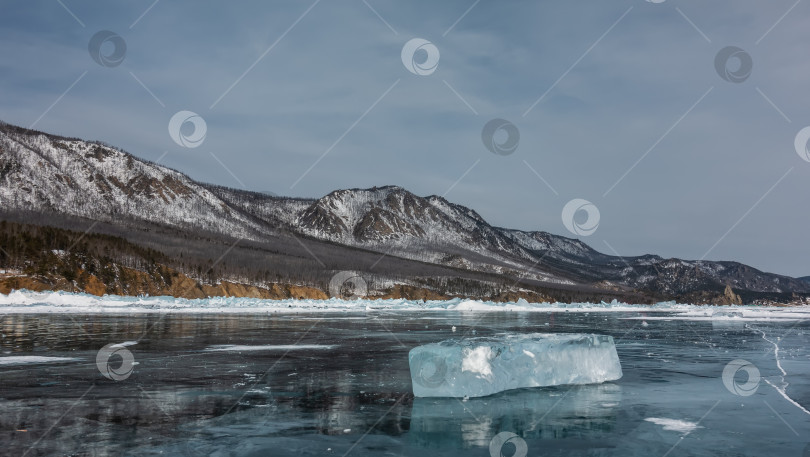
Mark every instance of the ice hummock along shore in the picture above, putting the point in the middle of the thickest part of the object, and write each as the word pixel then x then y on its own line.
pixel 477 367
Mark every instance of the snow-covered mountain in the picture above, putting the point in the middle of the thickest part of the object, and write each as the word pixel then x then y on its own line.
pixel 431 229
pixel 50 174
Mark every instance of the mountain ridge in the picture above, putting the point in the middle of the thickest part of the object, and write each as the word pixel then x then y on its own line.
pixel 58 175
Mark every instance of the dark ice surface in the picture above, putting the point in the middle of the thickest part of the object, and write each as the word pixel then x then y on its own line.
pixel 350 394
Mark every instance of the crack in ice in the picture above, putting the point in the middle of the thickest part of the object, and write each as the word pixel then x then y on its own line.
pixel 784 384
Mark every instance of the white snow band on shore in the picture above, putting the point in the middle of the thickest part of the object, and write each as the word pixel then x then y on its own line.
pixel 28 302
pixel 479 367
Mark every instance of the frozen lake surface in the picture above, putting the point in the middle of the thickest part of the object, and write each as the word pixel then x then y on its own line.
pixel 335 382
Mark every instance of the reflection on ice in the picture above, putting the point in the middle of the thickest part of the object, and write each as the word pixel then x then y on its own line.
pixel 430 426
pixel 547 413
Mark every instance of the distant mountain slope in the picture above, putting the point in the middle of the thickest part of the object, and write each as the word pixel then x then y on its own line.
pixel 431 229
pixel 49 174
pixel 64 175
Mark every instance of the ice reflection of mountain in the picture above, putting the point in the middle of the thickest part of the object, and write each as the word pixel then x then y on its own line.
pixel 437 426
pixel 530 413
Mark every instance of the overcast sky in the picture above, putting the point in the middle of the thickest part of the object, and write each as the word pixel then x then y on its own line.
pixel 619 103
